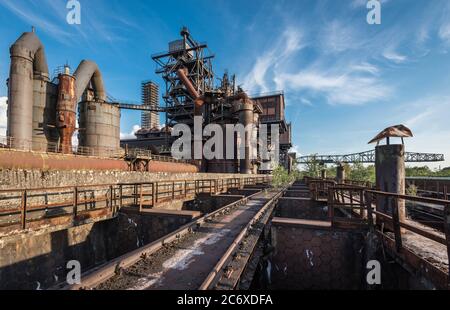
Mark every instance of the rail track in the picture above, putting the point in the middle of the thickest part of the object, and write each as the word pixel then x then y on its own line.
pixel 209 253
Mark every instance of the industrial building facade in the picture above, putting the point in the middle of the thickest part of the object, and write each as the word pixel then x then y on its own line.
pixel 150 98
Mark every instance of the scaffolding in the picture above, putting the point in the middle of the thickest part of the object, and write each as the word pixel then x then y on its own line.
pixel 186 54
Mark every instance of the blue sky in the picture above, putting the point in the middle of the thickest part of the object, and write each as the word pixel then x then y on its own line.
pixel 344 80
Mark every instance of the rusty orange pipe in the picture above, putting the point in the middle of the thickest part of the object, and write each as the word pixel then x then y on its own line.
pixel 10 159
pixel 198 100
pixel 187 83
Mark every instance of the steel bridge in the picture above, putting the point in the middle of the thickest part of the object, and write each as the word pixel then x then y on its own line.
pixel 368 157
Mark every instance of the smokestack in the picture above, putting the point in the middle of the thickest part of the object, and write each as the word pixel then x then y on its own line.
pixel 27 58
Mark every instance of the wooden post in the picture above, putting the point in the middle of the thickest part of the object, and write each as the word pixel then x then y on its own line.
pixel 23 217
pixel 173 190
pixel 75 202
pixel 396 224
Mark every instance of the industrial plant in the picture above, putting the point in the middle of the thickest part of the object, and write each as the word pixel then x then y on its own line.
pixel 132 216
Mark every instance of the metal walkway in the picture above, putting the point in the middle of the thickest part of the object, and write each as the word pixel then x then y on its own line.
pixel 210 252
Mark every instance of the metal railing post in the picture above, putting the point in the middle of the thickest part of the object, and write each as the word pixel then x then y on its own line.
pixel 120 197
pixel 173 190
pixel 23 217
pixel 368 201
pixel 331 204
pixel 75 201
pixel 111 198
pixel 153 195
pixel 361 204
pixel 396 224
pixel 447 236
pixel 140 197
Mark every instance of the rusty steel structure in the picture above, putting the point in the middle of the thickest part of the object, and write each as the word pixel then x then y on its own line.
pixel 368 157
pixel 191 59
pixel 66 110
pixel 219 275
pixel 42 117
pixel 190 92
pixel 26 209
pixel 351 205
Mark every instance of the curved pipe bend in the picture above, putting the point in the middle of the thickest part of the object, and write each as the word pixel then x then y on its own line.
pixel 88 71
pixel 30 47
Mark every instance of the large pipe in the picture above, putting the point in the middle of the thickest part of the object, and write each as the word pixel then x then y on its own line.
pixel 245 108
pixel 182 75
pixel 10 159
pixel 198 100
pixel 27 58
pixel 66 111
pixel 86 72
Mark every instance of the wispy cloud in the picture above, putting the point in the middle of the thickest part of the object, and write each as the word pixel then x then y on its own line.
pixel 427 119
pixel 337 37
pixel 49 16
pixel 29 15
pixel 393 56
pixel 289 43
pixel 338 89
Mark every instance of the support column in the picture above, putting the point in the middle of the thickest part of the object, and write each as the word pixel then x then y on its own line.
pixel 340 174
pixel 323 173
pixel 390 176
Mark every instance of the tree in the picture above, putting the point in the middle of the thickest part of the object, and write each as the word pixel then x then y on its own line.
pixel 360 173
pixel 312 168
pixel 281 177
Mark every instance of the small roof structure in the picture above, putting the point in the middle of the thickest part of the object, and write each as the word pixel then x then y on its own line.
pixel 399 131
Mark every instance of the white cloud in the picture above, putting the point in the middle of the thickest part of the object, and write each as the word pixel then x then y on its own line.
pixel 3 116
pixel 393 56
pixel 365 67
pixel 346 88
pixel 306 101
pixel 130 135
pixel 444 32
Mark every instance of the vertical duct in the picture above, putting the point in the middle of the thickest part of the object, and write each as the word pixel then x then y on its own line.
pixel 66 111
pixel 27 60
pixel 244 108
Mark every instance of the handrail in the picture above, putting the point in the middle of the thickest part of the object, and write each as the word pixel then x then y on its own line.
pixel 341 196
pixel 77 150
pixel 110 196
